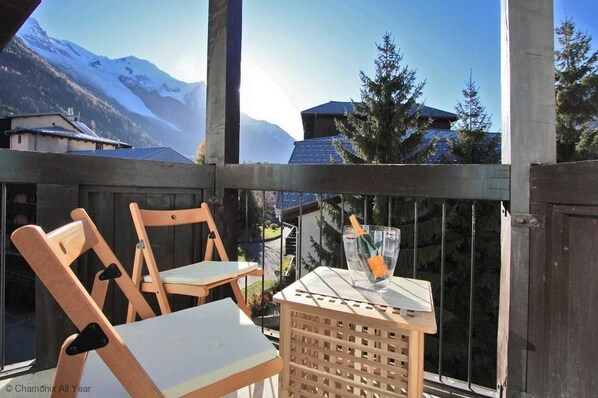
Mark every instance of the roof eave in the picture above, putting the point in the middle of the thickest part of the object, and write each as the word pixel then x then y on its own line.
pixel 14 14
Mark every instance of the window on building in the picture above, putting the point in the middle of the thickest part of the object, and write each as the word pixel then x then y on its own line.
pixel 99 146
pixel 18 139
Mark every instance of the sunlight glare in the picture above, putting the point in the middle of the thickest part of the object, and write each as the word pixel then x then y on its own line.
pixel 263 99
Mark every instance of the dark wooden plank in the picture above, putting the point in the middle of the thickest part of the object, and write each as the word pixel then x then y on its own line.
pixel 430 181
pixel 223 109
pixel 100 207
pixel 125 241
pixel 562 361
pixel 162 238
pixel 565 183
pixel 225 217
pixel 52 168
pixel 582 324
pixel 186 246
pixel 557 277
pixel 538 298
pixel 54 204
pixel 528 137
pixel 223 81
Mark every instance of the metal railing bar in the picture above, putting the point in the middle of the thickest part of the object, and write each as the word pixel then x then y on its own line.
pixel 441 318
pixel 365 209
pixel 471 289
pixel 246 234
pixel 321 227
pixel 299 238
pixel 281 235
pixel 390 211
pixel 3 281
pixel 414 239
pixel 263 250
pixel 342 221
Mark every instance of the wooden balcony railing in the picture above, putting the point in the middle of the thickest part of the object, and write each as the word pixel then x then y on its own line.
pixel 105 187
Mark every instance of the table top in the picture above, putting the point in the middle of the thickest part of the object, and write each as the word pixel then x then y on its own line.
pixel 321 297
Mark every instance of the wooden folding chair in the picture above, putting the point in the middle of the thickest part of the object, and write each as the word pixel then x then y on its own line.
pixel 205 351
pixel 193 279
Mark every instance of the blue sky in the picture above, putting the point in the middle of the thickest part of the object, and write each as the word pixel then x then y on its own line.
pixel 298 54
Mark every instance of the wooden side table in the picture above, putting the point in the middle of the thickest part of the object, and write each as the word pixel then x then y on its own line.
pixel 336 347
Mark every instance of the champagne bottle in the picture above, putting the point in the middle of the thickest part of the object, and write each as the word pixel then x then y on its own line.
pixel 374 267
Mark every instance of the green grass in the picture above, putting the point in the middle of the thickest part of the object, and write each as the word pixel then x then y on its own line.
pixel 271 233
pixel 256 287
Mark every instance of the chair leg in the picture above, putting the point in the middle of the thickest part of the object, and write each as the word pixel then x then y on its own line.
pixel 136 278
pixel 201 300
pixel 68 372
pixel 240 298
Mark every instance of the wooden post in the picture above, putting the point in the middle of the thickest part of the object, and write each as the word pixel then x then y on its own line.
pixel 52 326
pixel 223 109
pixel 528 137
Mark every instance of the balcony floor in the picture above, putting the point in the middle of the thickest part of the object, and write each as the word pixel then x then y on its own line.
pixel 264 389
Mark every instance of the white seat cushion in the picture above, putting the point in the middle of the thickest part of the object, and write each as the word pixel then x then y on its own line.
pixel 205 272
pixel 184 350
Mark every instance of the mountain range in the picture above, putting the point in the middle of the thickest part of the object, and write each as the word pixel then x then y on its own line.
pixel 128 99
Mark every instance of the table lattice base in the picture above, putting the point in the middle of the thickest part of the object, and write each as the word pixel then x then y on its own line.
pixel 332 357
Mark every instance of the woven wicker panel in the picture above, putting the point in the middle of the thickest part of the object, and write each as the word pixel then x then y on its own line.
pixel 336 357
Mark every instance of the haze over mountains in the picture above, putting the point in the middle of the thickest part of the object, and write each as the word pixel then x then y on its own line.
pixel 128 98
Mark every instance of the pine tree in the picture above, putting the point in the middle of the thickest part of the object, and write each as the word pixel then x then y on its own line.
pixel 576 72
pixel 386 127
pixel 473 145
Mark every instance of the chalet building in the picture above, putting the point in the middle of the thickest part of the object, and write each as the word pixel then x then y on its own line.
pixel 51 132
pixel 317 147
pixel 320 132
pixel 59 133
pixel 319 120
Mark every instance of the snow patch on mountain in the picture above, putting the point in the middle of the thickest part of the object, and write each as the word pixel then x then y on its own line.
pixel 107 75
pixel 170 111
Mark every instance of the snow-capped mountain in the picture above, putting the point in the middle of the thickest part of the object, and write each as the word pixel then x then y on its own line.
pixel 112 76
pixel 172 112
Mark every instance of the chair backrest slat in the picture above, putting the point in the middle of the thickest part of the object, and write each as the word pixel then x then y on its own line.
pixel 70 241
pixel 165 218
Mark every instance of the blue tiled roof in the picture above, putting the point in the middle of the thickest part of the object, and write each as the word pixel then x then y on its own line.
pixel 160 154
pixel 340 107
pixel 318 150
pixel 322 151
pixel 313 151
pixel 84 129
pixel 332 108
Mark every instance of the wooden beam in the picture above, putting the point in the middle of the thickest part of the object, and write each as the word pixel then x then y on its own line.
pixel 52 325
pixel 55 168
pixel 528 137
pixel 486 182
pixel 223 108
pixel 13 14
pixel 577 183
pixel 223 82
